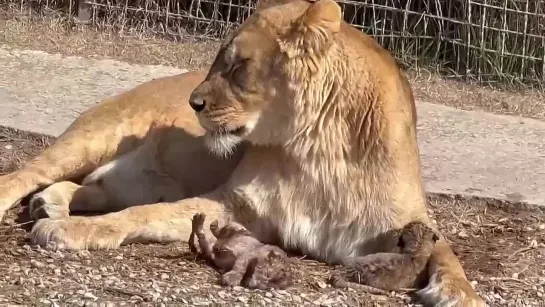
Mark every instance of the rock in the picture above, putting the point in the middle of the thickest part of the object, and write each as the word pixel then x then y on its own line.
pixel 463 235
pixel 89 295
pixel 36 264
pixel 321 284
pixel 83 254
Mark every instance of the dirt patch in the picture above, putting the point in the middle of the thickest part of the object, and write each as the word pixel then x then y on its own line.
pixel 54 36
pixel 501 246
pixel 17 147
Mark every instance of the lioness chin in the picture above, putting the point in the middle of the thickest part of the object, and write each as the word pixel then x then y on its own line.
pixel 313 127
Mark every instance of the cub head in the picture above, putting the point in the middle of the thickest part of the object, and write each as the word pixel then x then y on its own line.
pixel 417 237
pixel 254 87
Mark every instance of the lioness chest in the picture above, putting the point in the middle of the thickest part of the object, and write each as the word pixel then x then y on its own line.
pixel 306 216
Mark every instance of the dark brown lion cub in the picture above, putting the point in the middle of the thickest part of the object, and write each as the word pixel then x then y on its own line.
pixel 378 272
pixel 240 257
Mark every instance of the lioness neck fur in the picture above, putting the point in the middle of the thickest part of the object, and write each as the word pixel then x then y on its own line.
pixel 330 157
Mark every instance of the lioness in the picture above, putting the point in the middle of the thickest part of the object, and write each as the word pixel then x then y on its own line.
pixel 314 128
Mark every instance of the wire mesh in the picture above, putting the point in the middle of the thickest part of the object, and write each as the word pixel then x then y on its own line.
pixel 485 40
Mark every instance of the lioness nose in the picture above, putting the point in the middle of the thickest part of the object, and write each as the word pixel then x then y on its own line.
pixel 197 103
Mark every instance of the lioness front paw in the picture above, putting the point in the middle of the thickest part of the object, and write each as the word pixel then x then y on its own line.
pixel 10 193
pixel 41 206
pixel 446 292
pixel 76 233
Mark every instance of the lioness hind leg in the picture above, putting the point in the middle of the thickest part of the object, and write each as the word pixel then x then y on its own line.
pixel 61 198
pixel 72 156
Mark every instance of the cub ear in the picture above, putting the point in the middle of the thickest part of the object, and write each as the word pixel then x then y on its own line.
pixel 313 32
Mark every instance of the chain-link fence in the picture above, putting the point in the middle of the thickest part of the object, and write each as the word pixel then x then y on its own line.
pixel 485 40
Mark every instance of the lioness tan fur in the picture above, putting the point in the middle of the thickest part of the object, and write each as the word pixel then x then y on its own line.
pixel 313 130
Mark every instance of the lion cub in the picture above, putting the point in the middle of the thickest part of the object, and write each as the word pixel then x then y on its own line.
pixel 240 257
pixel 378 272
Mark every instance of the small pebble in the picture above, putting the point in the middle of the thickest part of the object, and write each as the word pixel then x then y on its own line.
pixel 36 264
pixel 83 254
pixel 321 284
pixel 463 235
pixel 89 295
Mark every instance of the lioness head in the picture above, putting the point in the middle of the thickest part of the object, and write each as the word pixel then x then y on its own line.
pixel 254 88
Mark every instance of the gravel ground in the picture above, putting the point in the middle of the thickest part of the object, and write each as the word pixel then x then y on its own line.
pixel 501 246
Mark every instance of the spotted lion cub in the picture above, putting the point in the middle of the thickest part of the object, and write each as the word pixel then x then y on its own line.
pixel 376 273
pixel 240 257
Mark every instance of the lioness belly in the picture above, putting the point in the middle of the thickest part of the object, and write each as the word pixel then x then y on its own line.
pixel 323 237
pixel 331 242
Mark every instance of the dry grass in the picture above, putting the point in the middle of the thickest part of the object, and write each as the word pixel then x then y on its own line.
pixel 501 246
pixel 55 36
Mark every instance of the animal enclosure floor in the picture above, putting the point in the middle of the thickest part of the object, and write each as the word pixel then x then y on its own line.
pixel 501 246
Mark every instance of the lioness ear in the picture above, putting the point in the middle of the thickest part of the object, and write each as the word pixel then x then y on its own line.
pixel 264 4
pixel 324 16
pixel 313 32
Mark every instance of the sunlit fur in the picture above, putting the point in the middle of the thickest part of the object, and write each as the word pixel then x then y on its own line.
pixel 325 130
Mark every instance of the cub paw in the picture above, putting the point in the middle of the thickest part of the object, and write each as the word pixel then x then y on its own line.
pixel 198 221
pixel 336 281
pixel 257 284
pixel 214 226
pixel 231 279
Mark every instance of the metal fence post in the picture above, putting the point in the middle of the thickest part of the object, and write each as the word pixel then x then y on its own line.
pixel 84 11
